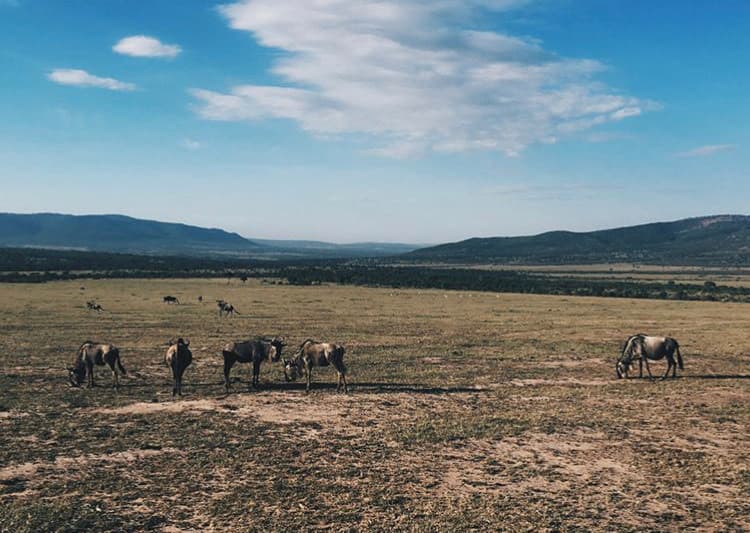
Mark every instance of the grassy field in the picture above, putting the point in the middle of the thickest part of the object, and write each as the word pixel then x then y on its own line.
pixel 466 411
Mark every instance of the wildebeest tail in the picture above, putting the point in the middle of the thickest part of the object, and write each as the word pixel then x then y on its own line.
pixel 119 363
pixel 679 357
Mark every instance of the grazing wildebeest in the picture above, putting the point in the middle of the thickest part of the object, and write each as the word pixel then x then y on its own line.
pixel 94 353
pixel 200 299
pixel 312 353
pixel 93 306
pixel 226 307
pixel 171 300
pixel 178 358
pixel 644 347
pixel 255 351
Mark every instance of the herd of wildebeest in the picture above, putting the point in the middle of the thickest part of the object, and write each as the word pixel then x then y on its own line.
pixel 310 353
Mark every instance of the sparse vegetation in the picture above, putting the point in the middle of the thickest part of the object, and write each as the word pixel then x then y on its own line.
pixel 467 410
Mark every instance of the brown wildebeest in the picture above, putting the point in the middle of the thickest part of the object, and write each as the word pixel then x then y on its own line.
pixel 171 300
pixel 94 353
pixel 644 347
pixel 255 351
pixel 226 307
pixel 93 306
pixel 178 358
pixel 312 353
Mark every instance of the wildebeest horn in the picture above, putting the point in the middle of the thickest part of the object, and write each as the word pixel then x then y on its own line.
pixel 187 342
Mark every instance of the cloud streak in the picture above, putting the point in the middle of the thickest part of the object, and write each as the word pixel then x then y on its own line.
pixel 707 150
pixel 401 74
pixel 145 46
pixel 81 78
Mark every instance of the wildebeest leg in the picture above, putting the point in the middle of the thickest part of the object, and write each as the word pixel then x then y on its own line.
pixel 256 372
pixel 670 362
pixel 90 372
pixel 114 375
pixel 179 383
pixel 338 384
pixel 640 368
pixel 309 377
pixel 229 360
pixel 648 368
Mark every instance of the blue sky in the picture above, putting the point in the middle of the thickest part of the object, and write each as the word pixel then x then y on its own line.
pixel 396 120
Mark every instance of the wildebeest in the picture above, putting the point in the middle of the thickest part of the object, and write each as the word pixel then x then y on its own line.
pixel 178 358
pixel 93 306
pixel 644 347
pixel 171 300
pixel 226 307
pixel 200 299
pixel 312 353
pixel 255 351
pixel 94 353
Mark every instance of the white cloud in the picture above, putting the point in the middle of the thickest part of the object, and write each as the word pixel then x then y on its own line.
pixel 145 46
pixel 707 150
pixel 401 73
pixel 191 144
pixel 81 78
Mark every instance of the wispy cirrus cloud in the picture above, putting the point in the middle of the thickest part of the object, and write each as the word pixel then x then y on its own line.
pixel 404 75
pixel 191 144
pixel 707 150
pixel 145 46
pixel 551 192
pixel 81 78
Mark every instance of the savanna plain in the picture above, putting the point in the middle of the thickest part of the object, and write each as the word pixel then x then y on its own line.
pixel 466 411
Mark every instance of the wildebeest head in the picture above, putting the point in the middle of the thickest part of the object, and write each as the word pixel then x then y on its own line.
pixel 622 368
pixel 277 345
pixel 630 351
pixel 292 369
pixel 76 375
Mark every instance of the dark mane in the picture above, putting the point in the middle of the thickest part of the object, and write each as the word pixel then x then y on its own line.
pixel 299 350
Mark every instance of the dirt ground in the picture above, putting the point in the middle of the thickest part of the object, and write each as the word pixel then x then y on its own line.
pixel 467 411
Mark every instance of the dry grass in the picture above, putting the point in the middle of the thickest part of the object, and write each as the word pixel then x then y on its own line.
pixel 467 411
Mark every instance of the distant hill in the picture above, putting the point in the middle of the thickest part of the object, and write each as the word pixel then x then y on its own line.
pixel 359 249
pixel 716 240
pixel 116 233
pixel 123 234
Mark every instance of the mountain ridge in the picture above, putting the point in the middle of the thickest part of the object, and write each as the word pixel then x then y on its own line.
pixel 714 238
pixel 126 234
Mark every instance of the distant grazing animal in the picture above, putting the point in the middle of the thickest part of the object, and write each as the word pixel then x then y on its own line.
pixel 200 298
pixel 178 358
pixel 171 300
pixel 93 306
pixel 255 351
pixel 226 307
pixel 311 354
pixel 94 353
pixel 644 347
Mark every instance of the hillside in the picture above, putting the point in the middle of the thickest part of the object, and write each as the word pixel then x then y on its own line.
pixel 716 240
pixel 123 234
pixel 116 233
